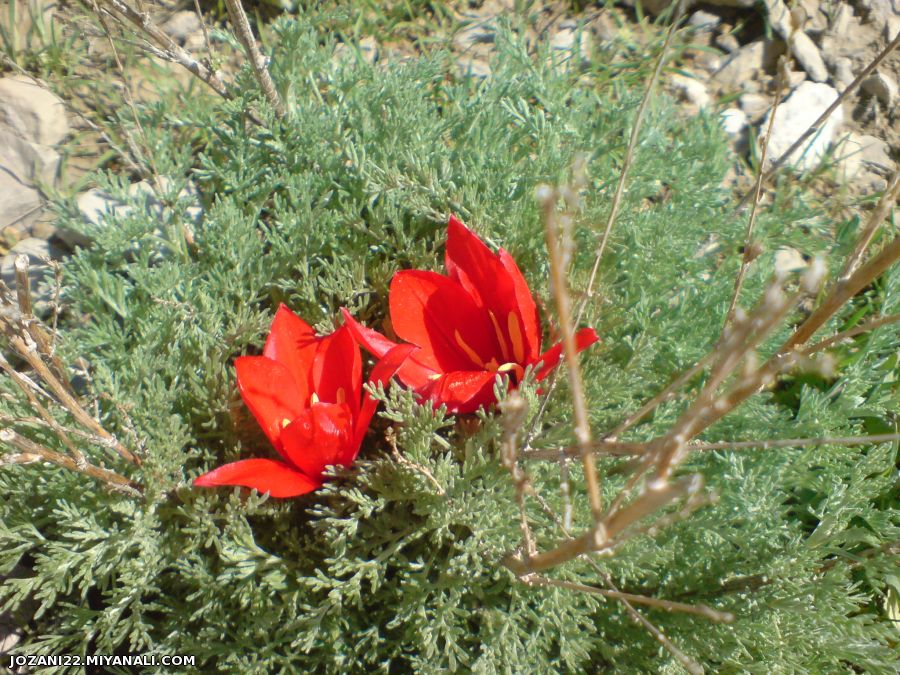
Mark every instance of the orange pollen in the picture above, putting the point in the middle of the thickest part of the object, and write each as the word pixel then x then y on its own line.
pixel 515 335
pixel 467 349
pixel 341 395
pixel 503 349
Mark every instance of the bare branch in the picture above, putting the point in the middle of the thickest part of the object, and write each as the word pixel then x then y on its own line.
pixel 257 60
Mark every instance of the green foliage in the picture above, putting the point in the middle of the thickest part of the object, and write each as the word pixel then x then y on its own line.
pixel 394 566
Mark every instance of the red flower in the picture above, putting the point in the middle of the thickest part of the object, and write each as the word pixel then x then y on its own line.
pixel 478 321
pixel 305 391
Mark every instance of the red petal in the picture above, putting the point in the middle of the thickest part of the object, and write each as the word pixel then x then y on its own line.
pixel 436 314
pixel 319 437
pixel 461 391
pixel 496 285
pixel 292 342
pixel 265 475
pixel 413 373
pixel 337 369
pixel 527 313
pixel 382 372
pixel 550 358
pixel 269 390
pixel 372 341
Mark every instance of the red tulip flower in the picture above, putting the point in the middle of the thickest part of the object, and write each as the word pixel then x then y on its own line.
pixel 306 393
pixel 468 326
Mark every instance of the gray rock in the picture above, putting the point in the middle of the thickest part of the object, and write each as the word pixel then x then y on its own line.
pixel 182 26
pixel 691 90
pixel 704 20
pixel 755 105
pixel 798 111
pixel 30 163
pixel 800 44
pixel 842 67
pixel 882 86
pixel 879 12
pixel 891 28
pixel 38 252
pixel 20 205
pixel 743 65
pixel 735 123
pixel 857 155
pixel 728 43
pixel 31 111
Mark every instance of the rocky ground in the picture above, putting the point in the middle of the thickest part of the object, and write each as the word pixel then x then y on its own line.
pixel 727 68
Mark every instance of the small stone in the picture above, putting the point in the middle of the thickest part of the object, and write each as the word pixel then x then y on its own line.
pixel 755 105
pixel 842 67
pixel 368 47
pixel 795 77
pixel 857 154
pixel 704 20
pixel 794 116
pixel 181 26
pixel 891 28
pixel 743 65
pixel 728 43
pixel 801 45
pixel 882 86
pixel 38 251
pixel 31 111
pixel 735 123
pixel 816 20
pixel 691 90
pixel 840 21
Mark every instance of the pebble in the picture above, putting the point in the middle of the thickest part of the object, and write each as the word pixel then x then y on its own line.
pixel 795 114
pixel 691 89
pixel 743 65
pixel 801 45
pixel 184 27
pixel 788 259
pixel 755 105
pixel 704 20
pixel 882 86
pixel 567 40
pixel 735 123
pixel 862 159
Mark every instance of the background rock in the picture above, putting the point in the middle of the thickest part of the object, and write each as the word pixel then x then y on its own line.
pixel 795 114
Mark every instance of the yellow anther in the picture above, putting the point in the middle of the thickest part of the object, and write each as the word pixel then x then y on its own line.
pixel 503 349
pixel 314 398
pixel 285 422
pixel 515 334
pixel 467 349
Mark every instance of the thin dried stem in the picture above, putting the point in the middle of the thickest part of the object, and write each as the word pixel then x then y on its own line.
pixel 640 448
pixel 257 60
pixel 629 156
pixel 548 198
pixel 666 605
pixel 141 20
pixel 514 410
pixel 29 353
pixel 36 452
pixel 869 325
pixel 842 291
pixel 45 415
pixel 884 206
pixel 405 461
pixel 23 286
pixel 750 251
